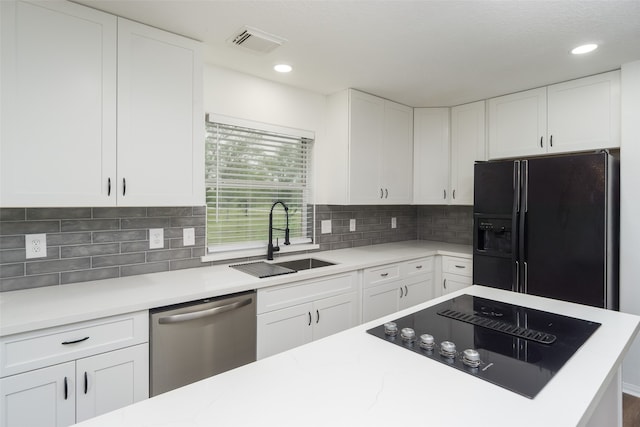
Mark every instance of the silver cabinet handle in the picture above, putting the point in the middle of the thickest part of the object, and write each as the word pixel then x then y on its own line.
pixel 177 318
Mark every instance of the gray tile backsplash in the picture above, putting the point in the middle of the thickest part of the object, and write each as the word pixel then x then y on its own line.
pixel 85 244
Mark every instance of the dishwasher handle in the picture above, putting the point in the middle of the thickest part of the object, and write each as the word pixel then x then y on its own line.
pixel 178 318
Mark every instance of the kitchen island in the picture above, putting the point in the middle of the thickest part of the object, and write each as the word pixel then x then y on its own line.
pixel 355 379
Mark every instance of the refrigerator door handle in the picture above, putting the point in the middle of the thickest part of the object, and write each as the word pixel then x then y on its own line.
pixel 516 185
pixel 525 288
pixel 525 185
pixel 516 282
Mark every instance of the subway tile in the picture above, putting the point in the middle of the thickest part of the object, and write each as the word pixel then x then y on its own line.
pixel 89 250
pixel 89 224
pixel 119 236
pixel 198 252
pixel 119 212
pixel 87 275
pixel 199 211
pixel 191 221
pixel 186 263
pixel 144 223
pixel 12 270
pixel 28 282
pixel 62 239
pixel 168 255
pixel 34 214
pixel 12 242
pixel 39 267
pixel 19 255
pixel 131 270
pixel 141 246
pixel 12 214
pixel 170 211
pixel 111 260
pixel 179 243
pixel 29 227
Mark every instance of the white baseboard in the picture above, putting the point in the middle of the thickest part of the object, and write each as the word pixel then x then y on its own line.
pixel 632 389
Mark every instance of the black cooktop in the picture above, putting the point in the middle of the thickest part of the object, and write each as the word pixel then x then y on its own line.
pixel 516 347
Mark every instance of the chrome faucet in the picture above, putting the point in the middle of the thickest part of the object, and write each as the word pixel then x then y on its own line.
pixel 270 248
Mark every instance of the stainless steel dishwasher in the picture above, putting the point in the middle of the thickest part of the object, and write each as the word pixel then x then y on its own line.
pixel 198 339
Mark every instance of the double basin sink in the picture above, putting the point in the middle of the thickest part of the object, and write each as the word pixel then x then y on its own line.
pixel 263 269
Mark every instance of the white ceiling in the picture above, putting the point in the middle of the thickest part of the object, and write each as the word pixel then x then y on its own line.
pixel 420 53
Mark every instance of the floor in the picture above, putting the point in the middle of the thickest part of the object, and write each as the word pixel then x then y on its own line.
pixel 630 411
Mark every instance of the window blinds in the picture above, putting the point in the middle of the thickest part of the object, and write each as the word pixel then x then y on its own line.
pixel 247 170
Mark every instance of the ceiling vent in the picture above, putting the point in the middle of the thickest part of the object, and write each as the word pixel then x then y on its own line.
pixel 256 40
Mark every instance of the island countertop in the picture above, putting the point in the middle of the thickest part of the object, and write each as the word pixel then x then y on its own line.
pixel 355 379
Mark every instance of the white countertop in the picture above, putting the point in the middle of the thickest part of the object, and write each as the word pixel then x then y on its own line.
pixel 355 379
pixel 39 308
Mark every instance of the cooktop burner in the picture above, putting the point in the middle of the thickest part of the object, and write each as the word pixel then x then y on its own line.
pixel 514 347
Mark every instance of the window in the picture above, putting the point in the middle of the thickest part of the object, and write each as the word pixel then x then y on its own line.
pixel 246 171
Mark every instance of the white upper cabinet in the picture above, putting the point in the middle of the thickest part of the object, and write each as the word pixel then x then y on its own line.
pixel 97 111
pixel 160 118
pixel 467 146
pixel 366 157
pixel 518 124
pixel 584 114
pixel 431 156
pixel 577 115
pixel 58 140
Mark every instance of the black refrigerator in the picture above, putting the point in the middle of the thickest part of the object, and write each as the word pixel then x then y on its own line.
pixel 548 226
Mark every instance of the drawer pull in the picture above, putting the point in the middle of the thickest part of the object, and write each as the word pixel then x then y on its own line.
pixel 66 388
pixel 418 267
pixel 460 266
pixel 384 274
pixel 75 341
pixel 309 318
pixel 400 291
pixel 318 316
pixel 445 283
pixel 86 382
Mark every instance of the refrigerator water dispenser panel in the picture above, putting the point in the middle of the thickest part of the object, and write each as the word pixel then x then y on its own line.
pixel 493 236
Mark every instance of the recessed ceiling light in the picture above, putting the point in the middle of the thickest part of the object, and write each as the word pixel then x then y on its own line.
pixel 283 68
pixel 585 48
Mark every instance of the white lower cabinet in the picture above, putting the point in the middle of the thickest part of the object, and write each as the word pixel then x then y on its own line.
pixel 456 274
pixel 321 308
pixel 63 375
pixel 394 287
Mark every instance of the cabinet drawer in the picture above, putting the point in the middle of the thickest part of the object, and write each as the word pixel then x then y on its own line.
pixel 378 275
pixel 420 266
pixel 278 297
pixel 461 266
pixel 32 350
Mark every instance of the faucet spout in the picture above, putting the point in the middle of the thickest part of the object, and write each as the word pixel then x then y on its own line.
pixel 270 248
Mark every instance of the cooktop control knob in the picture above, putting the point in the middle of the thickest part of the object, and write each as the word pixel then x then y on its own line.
pixel 391 329
pixel 448 349
pixel 471 358
pixel 408 334
pixel 427 342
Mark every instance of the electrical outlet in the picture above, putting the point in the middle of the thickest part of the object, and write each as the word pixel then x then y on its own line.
pixel 352 224
pixel 35 245
pixel 156 238
pixel 325 226
pixel 394 224
pixel 188 236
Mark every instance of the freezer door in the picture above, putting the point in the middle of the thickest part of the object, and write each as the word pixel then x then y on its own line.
pixel 564 229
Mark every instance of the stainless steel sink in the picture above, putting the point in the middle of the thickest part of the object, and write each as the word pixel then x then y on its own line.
pixel 304 264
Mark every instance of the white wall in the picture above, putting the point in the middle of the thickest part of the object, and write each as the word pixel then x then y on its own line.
pixel 630 215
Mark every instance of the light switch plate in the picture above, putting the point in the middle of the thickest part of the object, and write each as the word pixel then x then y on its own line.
pixel 394 223
pixel 325 226
pixel 352 224
pixel 156 238
pixel 188 236
pixel 35 245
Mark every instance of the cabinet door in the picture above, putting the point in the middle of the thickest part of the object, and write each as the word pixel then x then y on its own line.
pixel 431 155
pixel 334 314
pixel 160 120
pixel 396 151
pixel 44 397
pixel 58 105
pixel 111 381
pixel 518 124
pixel 284 329
pixel 366 120
pixel 454 282
pixel 467 146
pixel 584 114
pixel 416 291
pixel 380 300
